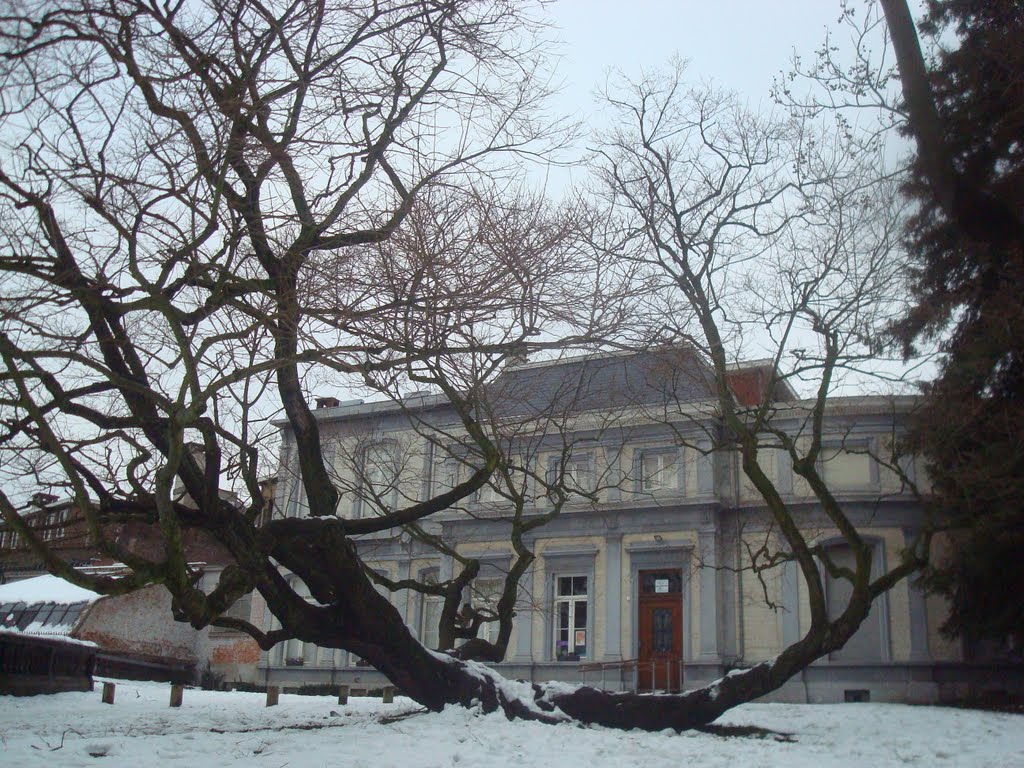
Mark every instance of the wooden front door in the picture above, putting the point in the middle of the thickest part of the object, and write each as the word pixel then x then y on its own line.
pixel 660 631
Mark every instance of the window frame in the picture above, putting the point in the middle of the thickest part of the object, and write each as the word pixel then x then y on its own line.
pixel 572 601
pixel 577 561
pixel 427 626
pixel 856 446
pixel 570 482
pixel 368 493
pixel 676 469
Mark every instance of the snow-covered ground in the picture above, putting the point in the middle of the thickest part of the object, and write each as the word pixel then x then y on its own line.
pixel 236 729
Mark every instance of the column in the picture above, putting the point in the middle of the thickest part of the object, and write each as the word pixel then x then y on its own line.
pixel 919 650
pixel 613 597
pixel 709 608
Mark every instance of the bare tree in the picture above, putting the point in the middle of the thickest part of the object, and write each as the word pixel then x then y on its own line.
pixel 766 234
pixel 191 196
pixel 206 207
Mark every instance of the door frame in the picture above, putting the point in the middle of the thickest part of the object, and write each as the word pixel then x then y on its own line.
pixel 646 557
pixel 664 667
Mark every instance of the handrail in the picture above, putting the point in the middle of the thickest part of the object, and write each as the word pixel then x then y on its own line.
pixel 667 671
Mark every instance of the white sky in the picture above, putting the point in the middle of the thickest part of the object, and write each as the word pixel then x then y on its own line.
pixel 740 44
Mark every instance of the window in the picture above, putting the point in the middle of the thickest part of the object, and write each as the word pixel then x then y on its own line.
pixel 430 613
pixel 869 642
pixel 294 649
pixel 380 475
pixel 296 505
pixel 485 595
pixel 241 608
pixel 294 654
pixel 658 470
pixel 668 582
pixel 49 526
pixel 328 657
pixel 446 475
pixel 571 614
pixel 488 494
pixel 848 467
pixel 577 473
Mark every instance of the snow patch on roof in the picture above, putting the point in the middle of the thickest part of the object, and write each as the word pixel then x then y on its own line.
pixel 45 589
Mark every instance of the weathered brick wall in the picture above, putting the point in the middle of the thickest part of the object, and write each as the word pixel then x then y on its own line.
pixel 139 623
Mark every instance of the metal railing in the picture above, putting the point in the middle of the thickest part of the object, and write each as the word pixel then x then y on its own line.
pixel 635 675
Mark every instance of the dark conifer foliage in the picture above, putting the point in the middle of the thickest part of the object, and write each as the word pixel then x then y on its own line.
pixel 969 292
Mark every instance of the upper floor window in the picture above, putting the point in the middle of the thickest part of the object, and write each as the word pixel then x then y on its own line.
pixel 574 474
pixel 658 470
pixel 489 494
pixel 848 466
pixel 446 474
pixel 241 608
pixel 381 465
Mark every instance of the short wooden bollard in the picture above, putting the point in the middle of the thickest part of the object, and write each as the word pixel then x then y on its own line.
pixel 272 693
pixel 177 691
pixel 108 693
pixel 343 694
pixel 388 695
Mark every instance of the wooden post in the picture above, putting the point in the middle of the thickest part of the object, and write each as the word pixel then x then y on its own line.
pixel 177 691
pixel 272 693
pixel 343 694
pixel 388 695
pixel 108 693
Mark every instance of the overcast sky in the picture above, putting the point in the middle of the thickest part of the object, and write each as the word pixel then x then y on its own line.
pixel 740 44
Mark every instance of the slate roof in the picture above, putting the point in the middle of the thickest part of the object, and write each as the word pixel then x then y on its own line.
pixel 603 383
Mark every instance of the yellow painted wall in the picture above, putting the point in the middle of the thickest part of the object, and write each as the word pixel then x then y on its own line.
pixel 762 626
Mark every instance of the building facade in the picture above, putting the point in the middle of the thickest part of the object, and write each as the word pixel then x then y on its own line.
pixel 643 579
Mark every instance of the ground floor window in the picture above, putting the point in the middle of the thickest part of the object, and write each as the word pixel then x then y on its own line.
pixel 486 594
pixel 571 642
pixel 430 613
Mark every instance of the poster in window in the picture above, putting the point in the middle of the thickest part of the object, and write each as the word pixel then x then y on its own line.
pixel 581 638
pixel 661 586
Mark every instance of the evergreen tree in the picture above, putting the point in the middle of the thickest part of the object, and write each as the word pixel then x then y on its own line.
pixel 967 237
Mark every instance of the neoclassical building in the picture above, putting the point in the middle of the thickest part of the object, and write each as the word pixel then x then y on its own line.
pixel 642 580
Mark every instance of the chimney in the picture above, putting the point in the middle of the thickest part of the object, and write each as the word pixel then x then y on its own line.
pixel 43 499
pixel 517 360
pixel 198 452
pixel 327 402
